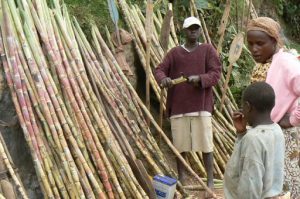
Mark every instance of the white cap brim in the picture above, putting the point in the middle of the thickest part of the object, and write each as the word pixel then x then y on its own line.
pixel 191 21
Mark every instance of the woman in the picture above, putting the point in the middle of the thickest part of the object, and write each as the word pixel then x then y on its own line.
pixel 281 70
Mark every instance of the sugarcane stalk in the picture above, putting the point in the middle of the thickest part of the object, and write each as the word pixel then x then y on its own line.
pixel 34 123
pixel 7 65
pixel 253 13
pixel 98 119
pixel 203 25
pixel 148 29
pixel 141 121
pixel 194 12
pixel 198 187
pixel 144 127
pixel 112 47
pixel 116 183
pixel 141 52
pixel 222 27
pixel 196 164
pixel 50 111
pixel 11 171
pixel 122 75
pixel 86 116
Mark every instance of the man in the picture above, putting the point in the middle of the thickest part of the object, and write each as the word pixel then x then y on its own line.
pixel 189 104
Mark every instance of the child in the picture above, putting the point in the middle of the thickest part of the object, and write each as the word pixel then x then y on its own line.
pixel 255 169
pixel 189 105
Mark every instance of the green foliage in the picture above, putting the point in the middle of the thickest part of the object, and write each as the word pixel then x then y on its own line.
pixel 88 11
pixel 291 15
pixel 200 4
pixel 203 4
pixel 295 46
pixel 279 6
pixel 290 12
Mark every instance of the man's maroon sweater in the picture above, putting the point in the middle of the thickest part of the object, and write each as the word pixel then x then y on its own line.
pixel 184 97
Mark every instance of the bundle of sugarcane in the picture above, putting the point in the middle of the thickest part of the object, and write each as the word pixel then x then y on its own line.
pixel 74 150
pixel 222 124
pixel 80 116
pixel 38 104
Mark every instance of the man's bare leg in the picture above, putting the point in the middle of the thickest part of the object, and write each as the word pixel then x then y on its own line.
pixel 208 159
pixel 181 169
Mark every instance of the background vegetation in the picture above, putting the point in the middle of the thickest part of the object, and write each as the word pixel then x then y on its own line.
pixel 288 11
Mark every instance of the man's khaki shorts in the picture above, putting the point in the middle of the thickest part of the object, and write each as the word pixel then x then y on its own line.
pixel 192 133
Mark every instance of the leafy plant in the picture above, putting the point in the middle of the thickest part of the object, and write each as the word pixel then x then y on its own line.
pixel 289 10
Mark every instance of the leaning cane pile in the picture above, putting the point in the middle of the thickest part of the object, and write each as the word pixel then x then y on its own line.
pixel 80 116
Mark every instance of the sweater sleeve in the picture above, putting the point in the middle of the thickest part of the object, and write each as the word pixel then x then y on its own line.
pixel 162 70
pixel 213 69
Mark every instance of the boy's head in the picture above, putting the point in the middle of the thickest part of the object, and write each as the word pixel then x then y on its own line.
pixel 192 28
pixel 258 99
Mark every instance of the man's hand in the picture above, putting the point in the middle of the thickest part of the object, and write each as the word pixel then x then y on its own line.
pixel 166 83
pixel 194 79
pixel 239 122
pixel 285 122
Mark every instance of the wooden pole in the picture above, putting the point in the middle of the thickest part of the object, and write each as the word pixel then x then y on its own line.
pixel 235 51
pixel 222 27
pixel 148 28
pixel 164 41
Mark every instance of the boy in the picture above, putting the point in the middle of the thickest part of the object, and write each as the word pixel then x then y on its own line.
pixel 189 105
pixel 255 169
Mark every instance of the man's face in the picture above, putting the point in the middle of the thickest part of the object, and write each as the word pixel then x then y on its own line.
pixel 192 33
pixel 261 45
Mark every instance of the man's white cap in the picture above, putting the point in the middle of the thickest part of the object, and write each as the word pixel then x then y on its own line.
pixel 191 21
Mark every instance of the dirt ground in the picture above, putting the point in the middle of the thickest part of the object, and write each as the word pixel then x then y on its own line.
pixel 200 194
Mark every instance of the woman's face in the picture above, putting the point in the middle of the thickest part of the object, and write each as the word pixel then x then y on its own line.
pixel 261 45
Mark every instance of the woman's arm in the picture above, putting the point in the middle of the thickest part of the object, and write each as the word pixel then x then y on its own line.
pixel 285 122
pixel 294 85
